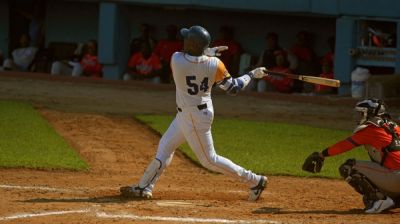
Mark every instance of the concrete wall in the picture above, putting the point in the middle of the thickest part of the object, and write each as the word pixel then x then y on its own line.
pixel 372 8
pixel 251 28
pixel 71 21
pixel 4 27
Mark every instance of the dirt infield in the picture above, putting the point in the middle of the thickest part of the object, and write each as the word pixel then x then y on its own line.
pixel 118 149
pixel 92 117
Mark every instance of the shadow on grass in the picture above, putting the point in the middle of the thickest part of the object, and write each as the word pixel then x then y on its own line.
pixel 277 211
pixel 102 199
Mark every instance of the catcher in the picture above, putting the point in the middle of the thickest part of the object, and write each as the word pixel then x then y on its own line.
pixel 378 180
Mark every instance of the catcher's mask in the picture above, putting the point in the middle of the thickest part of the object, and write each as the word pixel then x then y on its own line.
pixel 196 40
pixel 369 108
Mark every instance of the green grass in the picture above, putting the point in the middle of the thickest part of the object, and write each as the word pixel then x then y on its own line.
pixel 27 140
pixel 269 148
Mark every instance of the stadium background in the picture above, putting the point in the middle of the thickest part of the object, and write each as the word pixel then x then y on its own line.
pixel 115 23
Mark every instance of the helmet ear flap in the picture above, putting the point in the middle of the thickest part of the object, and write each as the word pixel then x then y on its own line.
pixel 381 108
pixel 378 107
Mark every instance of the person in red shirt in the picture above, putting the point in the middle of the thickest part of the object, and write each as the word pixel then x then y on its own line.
pixel 281 84
pixel 145 37
pixel 306 60
pixel 90 63
pixel 144 65
pixel 165 48
pixel 230 57
pixel 86 64
pixel 302 47
pixel 330 55
pixel 327 72
pixel 377 180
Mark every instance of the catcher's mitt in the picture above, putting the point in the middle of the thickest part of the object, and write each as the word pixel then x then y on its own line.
pixel 313 163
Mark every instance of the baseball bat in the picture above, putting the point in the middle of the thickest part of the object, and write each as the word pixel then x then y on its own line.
pixel 310 79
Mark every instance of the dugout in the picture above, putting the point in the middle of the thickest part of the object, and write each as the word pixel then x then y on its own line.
pixel 114 24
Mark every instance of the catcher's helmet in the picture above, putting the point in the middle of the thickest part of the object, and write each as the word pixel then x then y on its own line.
pixel 370 108
pixel 197 38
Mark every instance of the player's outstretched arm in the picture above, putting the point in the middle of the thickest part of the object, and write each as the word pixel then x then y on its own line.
pixel 215 51
pixel 233 85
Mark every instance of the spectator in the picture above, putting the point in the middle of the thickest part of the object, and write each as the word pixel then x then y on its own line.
pixel 327 72
pixel 230 57
pixel 278 83
pixel 329 57
pixel 164 50
pixel 144 65
pixel 267 58
pixel 86 64
pixel 306 60
pixel 145 36
pixel 302 47
pixel 22 57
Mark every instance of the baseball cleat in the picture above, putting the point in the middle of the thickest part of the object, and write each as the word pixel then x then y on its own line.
pixel 368 203
pixel 380 206
pixel 135 192
pixel 255 192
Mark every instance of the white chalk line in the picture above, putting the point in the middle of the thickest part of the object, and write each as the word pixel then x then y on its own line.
pixel 41 188
pixel 31 215
pixel 108 215
pixel 104 215
pixel 54 189
pixel 179 219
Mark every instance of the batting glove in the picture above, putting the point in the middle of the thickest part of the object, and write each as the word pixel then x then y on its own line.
pixel 215 51
pixel 258 73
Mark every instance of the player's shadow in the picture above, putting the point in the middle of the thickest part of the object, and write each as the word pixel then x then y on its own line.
pixel 102 199
pixel 268 210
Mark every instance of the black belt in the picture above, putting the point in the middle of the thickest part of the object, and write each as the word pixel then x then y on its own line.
pixel 200 107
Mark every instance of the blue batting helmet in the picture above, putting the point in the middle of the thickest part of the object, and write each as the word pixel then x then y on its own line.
pixel 198 36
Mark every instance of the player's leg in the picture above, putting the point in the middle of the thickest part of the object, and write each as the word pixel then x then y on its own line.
pixel 386 180
pixel 60 68
pixel 77 69
pixel 372 181
pixel 171 140
pixel 196 127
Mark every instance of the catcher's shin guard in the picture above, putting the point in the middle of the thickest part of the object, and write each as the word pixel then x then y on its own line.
pixel 346 168
pixel 360 182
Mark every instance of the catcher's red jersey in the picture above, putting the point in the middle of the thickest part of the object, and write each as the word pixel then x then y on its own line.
pixel 374 136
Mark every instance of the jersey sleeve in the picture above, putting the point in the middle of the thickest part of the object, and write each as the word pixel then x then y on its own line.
pixel 362 137
pixel 221 73
pixel 340 147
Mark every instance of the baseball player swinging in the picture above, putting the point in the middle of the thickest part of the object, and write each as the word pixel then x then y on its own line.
pixel 377 180
pixel 195 71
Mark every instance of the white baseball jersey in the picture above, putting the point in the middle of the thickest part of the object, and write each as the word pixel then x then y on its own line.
pixel 194 78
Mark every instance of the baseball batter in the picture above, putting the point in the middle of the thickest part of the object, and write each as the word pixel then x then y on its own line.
pixel 195 71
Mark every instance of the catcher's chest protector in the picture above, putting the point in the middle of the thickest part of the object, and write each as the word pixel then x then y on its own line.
pixel 394 145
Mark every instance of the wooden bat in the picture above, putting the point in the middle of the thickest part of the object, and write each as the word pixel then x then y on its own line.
pixel 310 79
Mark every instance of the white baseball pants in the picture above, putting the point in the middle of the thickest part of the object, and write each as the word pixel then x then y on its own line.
pixel 71 68
pixel 194 126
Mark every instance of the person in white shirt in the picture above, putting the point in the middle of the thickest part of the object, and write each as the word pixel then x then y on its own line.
pixel 195 71
pixel 22 57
